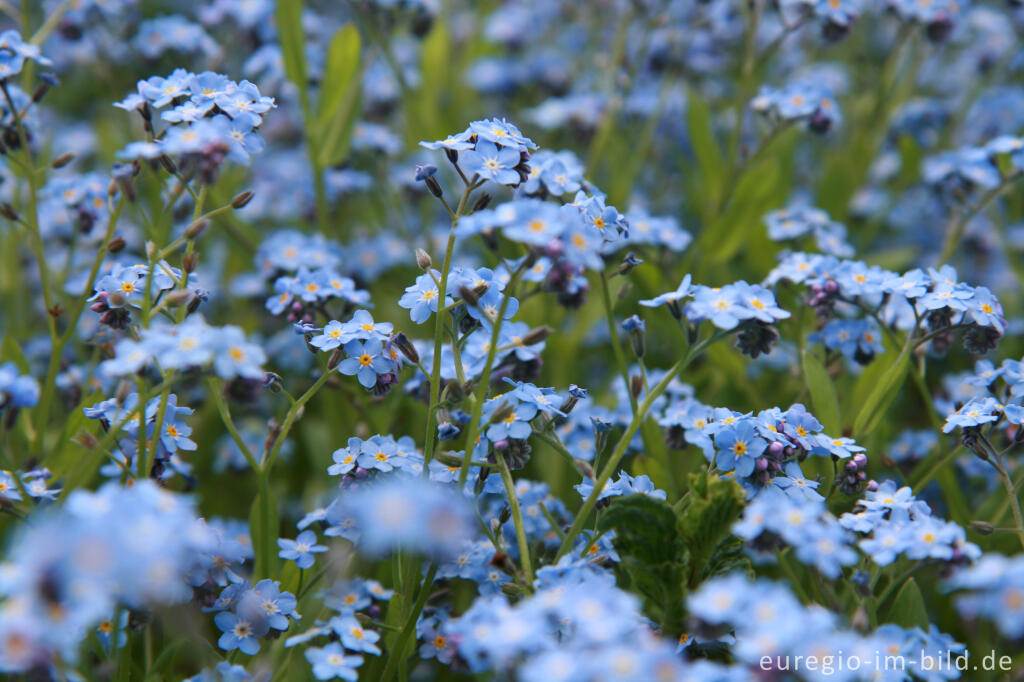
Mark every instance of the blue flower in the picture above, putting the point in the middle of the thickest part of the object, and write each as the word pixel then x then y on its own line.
pixel 739 446
pixel 354 637
pixel 492 163
pixel 365 361
pixel 301 549
pixel 421 297
pixel 240 633
pixel 330 662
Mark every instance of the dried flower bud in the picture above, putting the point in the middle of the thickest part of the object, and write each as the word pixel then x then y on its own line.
pixel 7 211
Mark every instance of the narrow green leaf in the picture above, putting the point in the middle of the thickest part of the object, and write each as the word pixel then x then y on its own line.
pixel 340 97
pixel 823 393
pixel 883 395
pixel 341 68
pixel 705 148
pixel 908 608
pixel 435 70
pixel 289 27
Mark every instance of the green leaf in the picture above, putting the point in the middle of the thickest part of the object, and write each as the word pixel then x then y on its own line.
pixel 435 82
pixel 908 608
pixel 713 505
pixel 823 393
pixel 705 148
pixel 652 556
pixel 645 528
pixel 340 97
pixel 10 351
pixel 293 42
pixel 340 70
pixel 883 395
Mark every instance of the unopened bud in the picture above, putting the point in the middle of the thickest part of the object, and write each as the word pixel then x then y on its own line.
pixel 981 527
pixel 150 249
pixel 584 468
pixel 189 262
pixel 241 199
pixel 499 415
pixel 196 228
pixel 482 202
pixel 423 259
pixel 536 335
pixel 624 291
pixel 62 160
pixel 636 385
pixel 469 296
pixel 7 211
pixel 193 305
pixel 402 342
pixel 168 165
pixel 124 389
pixel 178 297
pixel 434 186
pixel 335 359
pixel 86 440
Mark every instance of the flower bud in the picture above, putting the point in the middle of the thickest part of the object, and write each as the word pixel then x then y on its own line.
pixel 981 527
pixel 423 259
pixel 116 244
pixel 62 160
pixel 189 262
pixel 177 297
pixel 636 386
pixel 242 199
pixel 482 202
pixel 335 359
pixel 403 344
pixel 536 335
pixel 196 228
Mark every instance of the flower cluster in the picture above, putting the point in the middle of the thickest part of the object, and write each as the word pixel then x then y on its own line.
pixel 900 524
pixel 210 118
pixel 72 568
pixel 771 625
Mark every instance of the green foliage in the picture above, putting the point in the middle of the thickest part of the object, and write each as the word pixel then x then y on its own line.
pixel 908 608
pixel 823 392
pixel 712 505
pixel 339 102
pixel 667 552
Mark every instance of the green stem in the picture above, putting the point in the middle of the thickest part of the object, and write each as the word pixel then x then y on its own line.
pixel 620 448
pixel 517 520
pixel 485 378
